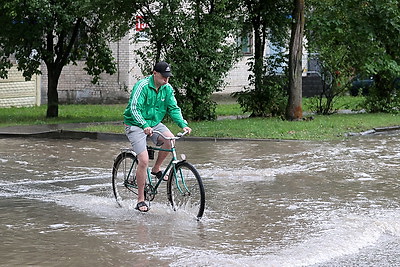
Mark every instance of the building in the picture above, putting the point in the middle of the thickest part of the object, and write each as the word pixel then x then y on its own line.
pixel 16 92
pixel 75 85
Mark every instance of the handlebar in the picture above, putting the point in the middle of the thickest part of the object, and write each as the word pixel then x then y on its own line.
pixel 178 135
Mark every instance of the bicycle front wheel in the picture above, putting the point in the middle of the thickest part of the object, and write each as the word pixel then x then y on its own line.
pixel 185 189
pixel 124 177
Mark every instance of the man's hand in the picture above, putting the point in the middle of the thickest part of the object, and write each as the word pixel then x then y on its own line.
pixel 148 131
pixel 187 129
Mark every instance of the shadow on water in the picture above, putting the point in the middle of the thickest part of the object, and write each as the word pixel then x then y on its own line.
pixel 268 204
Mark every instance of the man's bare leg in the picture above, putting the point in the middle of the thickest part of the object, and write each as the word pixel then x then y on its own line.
pixel 162 154
pixel 141 173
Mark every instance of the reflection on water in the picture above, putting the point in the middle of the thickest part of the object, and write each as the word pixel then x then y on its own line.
pixel 269 203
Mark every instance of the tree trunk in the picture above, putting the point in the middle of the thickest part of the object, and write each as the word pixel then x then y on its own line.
pixel 294 109
pixel 52 93
pixel 56 59
pixel 258 53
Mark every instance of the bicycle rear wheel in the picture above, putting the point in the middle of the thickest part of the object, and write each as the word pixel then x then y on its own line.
pixel 124 177
pixel 185 189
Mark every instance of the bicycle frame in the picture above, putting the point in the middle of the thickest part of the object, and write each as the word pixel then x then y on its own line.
pixel 171 166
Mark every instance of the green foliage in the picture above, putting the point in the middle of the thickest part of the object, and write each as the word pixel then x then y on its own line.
pixel 387 100
pixel 269 100
pixel 336 64
pixel 336 79
pixel 59 33
pixel 267 95
pixel 267 92
pixel 191 35
pixel 366 33
pixel 374 103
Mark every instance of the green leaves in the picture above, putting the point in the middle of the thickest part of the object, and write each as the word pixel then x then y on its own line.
pixel 61 32
pixel 358 37
pixel 52 31
pixel 192 35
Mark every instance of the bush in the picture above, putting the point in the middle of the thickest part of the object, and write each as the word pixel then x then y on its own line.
pixel 374 103
pixel 269 100
pixel 197 108
pixel 384 96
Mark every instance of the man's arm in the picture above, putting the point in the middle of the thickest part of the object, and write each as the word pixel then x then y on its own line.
pixel 175 111
pixel 137 104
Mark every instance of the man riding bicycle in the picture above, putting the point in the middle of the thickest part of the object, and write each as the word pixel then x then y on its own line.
pixel 150 100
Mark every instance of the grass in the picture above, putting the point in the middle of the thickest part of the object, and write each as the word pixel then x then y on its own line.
pixel 228 110
pixel 67 114
pixel 330 127
pixel 339 103
pixel 321 128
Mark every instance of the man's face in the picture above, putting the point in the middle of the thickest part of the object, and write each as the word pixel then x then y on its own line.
pixel 160 80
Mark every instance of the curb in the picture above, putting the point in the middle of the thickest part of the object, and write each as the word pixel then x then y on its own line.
pixel 71 134
pixel 375 130
pixel 67 134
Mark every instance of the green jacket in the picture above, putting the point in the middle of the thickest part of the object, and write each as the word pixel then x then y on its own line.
pixel 147 107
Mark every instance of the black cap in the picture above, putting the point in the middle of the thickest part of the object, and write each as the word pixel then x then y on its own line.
pixel 164 68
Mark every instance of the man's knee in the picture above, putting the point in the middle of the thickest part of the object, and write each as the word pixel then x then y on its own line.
pixel 166 143
pixel 143 159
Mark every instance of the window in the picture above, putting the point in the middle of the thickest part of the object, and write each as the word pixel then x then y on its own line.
pixel 246 44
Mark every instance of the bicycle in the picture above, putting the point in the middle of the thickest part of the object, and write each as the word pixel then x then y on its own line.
pixel 185 188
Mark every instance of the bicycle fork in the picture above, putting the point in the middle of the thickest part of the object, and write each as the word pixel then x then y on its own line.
pixel 180 176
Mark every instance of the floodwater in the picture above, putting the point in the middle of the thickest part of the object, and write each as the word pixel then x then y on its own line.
pixel 268 203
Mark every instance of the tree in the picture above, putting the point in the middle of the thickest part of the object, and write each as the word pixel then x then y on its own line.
pixel 60 33
pixel 192 36
pixel 294 108
pixel 366 32
pixel 265 21
pixel 384 24
pixel 328 28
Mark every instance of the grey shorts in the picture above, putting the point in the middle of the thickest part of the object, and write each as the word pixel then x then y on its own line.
pixel 138 138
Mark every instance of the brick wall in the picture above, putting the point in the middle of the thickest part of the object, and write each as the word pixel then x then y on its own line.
pixel 237 77
pixel 75 84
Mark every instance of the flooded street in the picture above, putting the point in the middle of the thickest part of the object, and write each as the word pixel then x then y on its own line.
pixel 268 203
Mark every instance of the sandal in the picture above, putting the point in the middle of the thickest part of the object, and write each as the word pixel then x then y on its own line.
pixel 159 175
pixel 140 205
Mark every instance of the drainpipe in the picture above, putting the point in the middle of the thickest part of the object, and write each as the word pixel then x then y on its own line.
pixel 38 89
